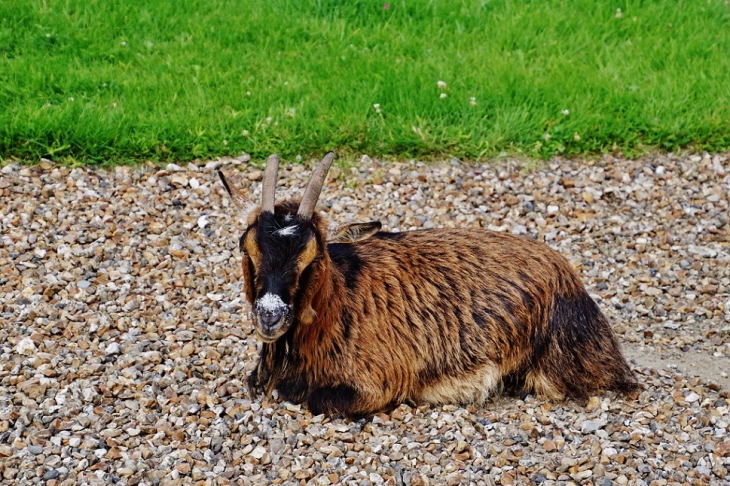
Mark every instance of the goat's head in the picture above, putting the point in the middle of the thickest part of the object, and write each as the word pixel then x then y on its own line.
pixel 284 251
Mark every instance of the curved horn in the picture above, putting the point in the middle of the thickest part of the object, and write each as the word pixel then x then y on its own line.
pixel 268 191
pixel 311 193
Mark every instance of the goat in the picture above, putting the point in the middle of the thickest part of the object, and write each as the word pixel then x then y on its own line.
pixel 356 321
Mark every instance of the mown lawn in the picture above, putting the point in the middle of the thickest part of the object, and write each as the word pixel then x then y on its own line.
pixel 110 81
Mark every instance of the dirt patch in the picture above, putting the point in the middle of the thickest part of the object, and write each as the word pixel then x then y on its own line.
pixel 711 369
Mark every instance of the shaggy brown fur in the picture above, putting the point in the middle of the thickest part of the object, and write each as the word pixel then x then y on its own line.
pixel 438 316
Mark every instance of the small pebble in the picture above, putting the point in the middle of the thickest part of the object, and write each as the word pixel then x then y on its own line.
pixel 112 349
pixel 35 449
pixel 50 474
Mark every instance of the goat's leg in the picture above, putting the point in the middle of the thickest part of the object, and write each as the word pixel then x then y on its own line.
pixel 254 386
pixel 259 381
pixel 340 399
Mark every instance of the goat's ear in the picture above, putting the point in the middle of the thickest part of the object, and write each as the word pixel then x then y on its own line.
pixel 350 233
pixel 243 203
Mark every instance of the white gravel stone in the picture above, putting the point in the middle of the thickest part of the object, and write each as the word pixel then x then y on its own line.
pixel 590 426
pixel 112 349
pixel 258 452
pixel 25 346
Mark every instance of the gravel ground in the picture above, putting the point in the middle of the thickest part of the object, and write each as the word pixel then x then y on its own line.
pixel 125 342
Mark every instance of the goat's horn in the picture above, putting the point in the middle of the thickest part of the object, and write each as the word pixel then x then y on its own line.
pixel 268 191
pixel 311 193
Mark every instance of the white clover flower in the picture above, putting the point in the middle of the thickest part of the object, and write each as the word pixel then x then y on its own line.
pixel 225 142
pixel 441 84
pixel 442 95
pixel 268 119
pixel 246 133
pixel 377 107
pixel 248 93
pixel 576 137
pixel 124 43
pixel 547 137
pixel 71 98
pixel 618 13
pixel 473 101
pixel 566 112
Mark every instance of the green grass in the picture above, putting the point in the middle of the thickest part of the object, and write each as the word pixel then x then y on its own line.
pixel 107 81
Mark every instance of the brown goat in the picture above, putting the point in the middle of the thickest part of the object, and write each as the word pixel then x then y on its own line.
pixel 357 321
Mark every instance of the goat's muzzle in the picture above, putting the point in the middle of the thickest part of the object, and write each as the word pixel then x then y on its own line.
pixel 272 317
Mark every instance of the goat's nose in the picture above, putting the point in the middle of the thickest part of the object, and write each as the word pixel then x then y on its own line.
pixel 270 308
pixel 269 319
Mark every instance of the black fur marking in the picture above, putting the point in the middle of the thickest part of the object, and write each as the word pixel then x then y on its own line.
pixel 280 253
pixel 345 258
pixel 492 316
pixel 478 318
pixel 294 388
pixel 254 386
pixel 524 276
pixel 476 250
pixel 430 375
pixel 303 284
pixel 509 309
pixel 527 299
pixel 332 399
pixel 513 383
pixel 473 354
pixel 579 318
pixel 451 282
pixel 382 235
pixel 251 269
pixel 346 324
